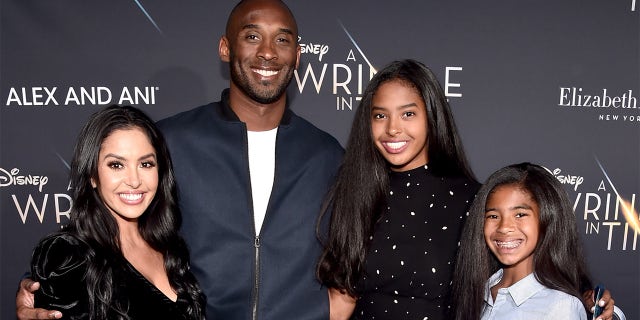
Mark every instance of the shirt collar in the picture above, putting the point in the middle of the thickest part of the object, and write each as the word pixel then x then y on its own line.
pixel 229 115
pixel 519 291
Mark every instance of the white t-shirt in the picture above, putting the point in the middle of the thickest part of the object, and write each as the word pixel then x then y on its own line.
pixel 262 162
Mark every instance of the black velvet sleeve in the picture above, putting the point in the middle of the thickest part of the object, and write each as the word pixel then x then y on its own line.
pixel 59 263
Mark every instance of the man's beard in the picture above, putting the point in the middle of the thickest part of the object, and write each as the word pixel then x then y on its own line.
pixel 265 96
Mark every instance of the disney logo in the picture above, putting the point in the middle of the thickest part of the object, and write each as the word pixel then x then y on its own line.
pixel 317 49
pixel 9 178
pixel 573 180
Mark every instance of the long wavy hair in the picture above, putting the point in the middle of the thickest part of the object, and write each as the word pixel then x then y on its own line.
pixel 92 222
pixel 558 261
pixel 356 199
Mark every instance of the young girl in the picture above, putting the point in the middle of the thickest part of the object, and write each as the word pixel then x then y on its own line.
pixel 520 254
pixel 399 202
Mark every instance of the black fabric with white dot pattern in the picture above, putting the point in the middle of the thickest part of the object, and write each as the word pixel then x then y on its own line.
pixel 410 261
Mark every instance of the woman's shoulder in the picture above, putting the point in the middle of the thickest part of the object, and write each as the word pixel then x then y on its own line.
pixel 58 255
pixel 62 241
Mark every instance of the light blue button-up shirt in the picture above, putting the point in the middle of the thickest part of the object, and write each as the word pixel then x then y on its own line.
pixel 528 299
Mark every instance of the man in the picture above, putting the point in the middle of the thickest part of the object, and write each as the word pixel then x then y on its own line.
pixel 251 177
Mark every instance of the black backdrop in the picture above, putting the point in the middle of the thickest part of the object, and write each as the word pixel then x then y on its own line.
pixel 552 82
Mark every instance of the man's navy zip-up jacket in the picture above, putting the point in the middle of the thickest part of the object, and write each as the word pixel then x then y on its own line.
pixel 271 276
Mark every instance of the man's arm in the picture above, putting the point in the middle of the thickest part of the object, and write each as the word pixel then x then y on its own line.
pixel 25 303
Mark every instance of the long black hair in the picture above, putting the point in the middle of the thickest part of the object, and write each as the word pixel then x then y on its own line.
pixel 92 222
pixel 356 199
pixel 558 262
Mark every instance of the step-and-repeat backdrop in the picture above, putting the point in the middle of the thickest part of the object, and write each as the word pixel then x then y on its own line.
pixel 551 82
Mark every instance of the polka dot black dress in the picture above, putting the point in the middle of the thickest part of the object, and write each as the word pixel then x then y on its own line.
pixel 410 261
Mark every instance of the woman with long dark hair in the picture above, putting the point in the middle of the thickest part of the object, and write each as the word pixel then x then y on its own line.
pixel 399 201
pixel 520 253
pixel 120 255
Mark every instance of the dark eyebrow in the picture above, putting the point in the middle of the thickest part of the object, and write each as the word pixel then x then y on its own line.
pixel 286 30
pixel 409 105
pixel 518 207
pixel 255 26
pixel 250 26
pixel 412 104
pixel 521 206
pixel 150 155
pixel 113 155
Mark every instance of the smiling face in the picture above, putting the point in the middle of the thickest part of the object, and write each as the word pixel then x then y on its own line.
pixel 262 49
pixel 127 173
pixel 511 228
pixel 399 125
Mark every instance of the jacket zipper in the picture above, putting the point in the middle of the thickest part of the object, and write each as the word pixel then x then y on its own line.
pixel 256 242
pixel 256 239
pixel 256 281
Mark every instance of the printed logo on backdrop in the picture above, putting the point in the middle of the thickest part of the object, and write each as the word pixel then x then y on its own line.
pixel 608 213
pixel 611 104
pixel 30 198
pixel 80 96
pixel 346 74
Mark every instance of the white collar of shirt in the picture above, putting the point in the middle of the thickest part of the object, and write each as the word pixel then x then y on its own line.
pixel 519 291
